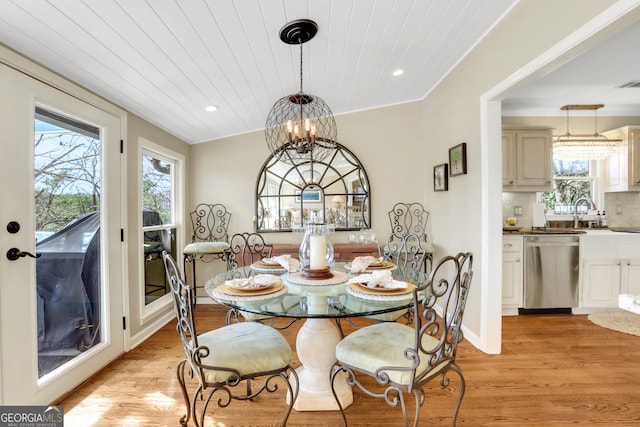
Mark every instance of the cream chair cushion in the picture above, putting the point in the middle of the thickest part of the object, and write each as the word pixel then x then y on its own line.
pixel 247 347
pixel 200 248
pixel 373 347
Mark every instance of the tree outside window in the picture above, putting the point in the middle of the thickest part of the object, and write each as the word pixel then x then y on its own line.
pixel 571 180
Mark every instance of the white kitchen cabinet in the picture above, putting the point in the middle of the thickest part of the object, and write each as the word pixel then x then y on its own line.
pixel 609 266
pixel 607 278
pixel 512 274
pixel 630 276
pixel 623 167
pixel 601 284
pixel 527 159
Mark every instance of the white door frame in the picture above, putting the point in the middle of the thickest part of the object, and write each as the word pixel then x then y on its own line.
pixel 17 341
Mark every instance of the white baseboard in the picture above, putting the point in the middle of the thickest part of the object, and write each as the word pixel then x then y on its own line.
pixel 150 329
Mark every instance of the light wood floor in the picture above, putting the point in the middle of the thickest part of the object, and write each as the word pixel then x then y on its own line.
pixel 554 370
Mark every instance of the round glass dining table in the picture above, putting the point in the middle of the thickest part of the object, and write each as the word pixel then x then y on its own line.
pixel 319 302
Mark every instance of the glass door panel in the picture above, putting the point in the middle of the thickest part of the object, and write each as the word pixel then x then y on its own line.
pixel 67 183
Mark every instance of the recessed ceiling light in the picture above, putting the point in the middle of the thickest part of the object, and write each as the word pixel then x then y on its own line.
pixel 397 73
pixel 211 108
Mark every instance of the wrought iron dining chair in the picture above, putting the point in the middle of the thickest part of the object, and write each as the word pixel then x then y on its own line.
pixel 228 357
pixel 245 249
pixel 412 218
pixel 210 239
pixel 405 250
pixel 405 358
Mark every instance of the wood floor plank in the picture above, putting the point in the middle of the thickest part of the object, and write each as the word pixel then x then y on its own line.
pixel 554 370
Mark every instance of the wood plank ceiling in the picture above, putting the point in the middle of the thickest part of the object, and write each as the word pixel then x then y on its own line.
pixel 167 60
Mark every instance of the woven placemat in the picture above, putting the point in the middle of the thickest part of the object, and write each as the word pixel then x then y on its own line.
pixel 298 278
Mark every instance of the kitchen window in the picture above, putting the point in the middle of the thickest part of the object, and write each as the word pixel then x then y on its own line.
pixel 572 179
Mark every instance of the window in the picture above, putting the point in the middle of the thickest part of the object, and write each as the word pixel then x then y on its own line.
pixel 160 174
pixel 572 179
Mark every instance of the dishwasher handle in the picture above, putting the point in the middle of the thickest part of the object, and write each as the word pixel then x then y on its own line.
pixel 551 244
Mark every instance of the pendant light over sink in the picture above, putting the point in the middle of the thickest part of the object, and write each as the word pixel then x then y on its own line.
pixel 300 127
pixel 593 146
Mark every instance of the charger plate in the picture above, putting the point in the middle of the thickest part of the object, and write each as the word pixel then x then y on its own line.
pixel 263 267
pixel 386 265
pixel 361 291
pixel 362 287
pixel 250 291
pixel 263 264
pixel 272 292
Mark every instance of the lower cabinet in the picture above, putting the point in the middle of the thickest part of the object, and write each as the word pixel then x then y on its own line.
pixel 601 283
pixel 512 274
pixel 630 276
pixel 601 279
pixel 605 279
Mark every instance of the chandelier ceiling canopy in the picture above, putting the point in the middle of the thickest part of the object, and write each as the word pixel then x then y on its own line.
pixel 595 146
pixel 300 127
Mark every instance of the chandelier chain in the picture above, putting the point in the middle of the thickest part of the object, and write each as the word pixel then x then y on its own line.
pixel 301 91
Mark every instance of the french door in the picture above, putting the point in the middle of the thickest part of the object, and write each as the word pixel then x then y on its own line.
pixel 61 281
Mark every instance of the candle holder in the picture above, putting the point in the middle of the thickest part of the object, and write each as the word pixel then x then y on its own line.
pixel 316 252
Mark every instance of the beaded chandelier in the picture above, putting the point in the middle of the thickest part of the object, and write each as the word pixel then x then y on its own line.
pixel 583 146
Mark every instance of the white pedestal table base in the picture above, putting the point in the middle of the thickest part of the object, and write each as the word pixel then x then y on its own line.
pixel 316 347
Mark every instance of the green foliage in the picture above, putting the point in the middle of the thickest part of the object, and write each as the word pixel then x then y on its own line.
pixel 54 211
pixel 565 189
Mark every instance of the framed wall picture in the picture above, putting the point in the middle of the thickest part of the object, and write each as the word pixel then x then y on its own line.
pixel 458 159
pixel 309 196
pixel 440 178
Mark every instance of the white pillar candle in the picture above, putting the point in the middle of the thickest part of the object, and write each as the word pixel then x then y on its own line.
pixel 317 253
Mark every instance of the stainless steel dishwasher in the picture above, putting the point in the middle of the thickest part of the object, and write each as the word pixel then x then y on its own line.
pixel 551 264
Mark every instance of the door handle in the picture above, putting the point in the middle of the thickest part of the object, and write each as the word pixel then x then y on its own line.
pixel 15 253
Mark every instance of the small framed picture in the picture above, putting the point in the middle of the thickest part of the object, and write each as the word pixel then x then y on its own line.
pixel 458 159
pixel 440 178
pixel 310 196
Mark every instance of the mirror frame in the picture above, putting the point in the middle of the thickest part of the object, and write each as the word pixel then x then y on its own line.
pixel 334 191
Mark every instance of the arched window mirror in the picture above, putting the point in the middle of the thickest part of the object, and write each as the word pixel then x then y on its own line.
pixel 334 191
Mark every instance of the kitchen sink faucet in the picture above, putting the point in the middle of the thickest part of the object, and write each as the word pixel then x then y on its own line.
pixel 575 209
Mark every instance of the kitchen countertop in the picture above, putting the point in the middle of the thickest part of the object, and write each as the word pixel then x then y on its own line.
pixel 566 230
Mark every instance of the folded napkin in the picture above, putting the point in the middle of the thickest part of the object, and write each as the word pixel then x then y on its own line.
pixel 361 263
pixel 287 261
pixel 253 282
pixel 378 279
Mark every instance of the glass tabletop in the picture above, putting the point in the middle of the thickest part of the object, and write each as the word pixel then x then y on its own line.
pixel 326 300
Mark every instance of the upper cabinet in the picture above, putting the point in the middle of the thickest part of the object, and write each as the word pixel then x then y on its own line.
pixel 527 159
pixel 623 167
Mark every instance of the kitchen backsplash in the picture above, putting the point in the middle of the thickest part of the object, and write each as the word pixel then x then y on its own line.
pixel 623 209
